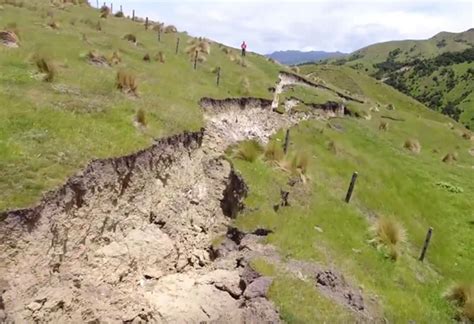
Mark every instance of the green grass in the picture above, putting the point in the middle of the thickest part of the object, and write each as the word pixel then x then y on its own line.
pixel 392 182
pixel 48 131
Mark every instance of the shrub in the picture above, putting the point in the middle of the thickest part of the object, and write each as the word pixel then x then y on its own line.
pixel 45 66
pixel 140 117
pixel 412 145
pixel 249 151
pixel 463 296
pixel 131 38
pixel 388 235
pixel 274 152
pixel 383 126
pixel 245 86
pixel 127 82
pixel 450 158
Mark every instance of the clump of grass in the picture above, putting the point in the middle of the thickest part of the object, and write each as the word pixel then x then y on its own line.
pixel 332 147
pixel 96 58
pixel 158 27
pixel 119 14
pixel 383 126
pixel 45 66
pixel 463 296
pixel 300 163
pixel 170 29
pixel 160 57
pixel 147 58
pixel 131 38
pixel 388 236
pixel 200 47
pixel 9 38
pixel 53 24
pixel 449 187
pixel 249 150
pixel 390 107
pixel 412 145
pixel 115 58
pixel 104 12
pixel 140 117
pixel 127 82
pixel 245 86
pixel 450 158
pixel 468 136
pixel 274 152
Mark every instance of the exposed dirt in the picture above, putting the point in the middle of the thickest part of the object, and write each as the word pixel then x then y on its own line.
pixel 128 239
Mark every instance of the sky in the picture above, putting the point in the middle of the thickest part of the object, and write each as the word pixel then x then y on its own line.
pixel 344 26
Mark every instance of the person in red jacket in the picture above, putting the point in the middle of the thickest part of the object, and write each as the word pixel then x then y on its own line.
pixel 244 48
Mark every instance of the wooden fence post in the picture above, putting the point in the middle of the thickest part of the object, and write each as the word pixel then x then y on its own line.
pixel 159 33
pixel 177 45
pixel 218 75
pixel 97 3
pixel 121 9
pixel 111 8
pixel 351 187
pixel 146 23
pixel 287 141
pixel 133 15
pixel 195 59
pixel 426 244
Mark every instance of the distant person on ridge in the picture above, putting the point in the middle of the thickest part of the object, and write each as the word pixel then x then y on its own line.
pixel 243 47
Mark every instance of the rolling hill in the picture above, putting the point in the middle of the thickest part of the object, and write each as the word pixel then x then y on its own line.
pixel 298 57
pixel 438 71
pixel 143 179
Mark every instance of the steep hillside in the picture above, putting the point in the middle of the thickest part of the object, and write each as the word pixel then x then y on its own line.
pixel 298 57
pixel 438 71
pixel 135 189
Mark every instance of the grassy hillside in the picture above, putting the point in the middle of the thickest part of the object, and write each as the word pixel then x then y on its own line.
pixel 393 182
pixel 438 71
pixel 49 130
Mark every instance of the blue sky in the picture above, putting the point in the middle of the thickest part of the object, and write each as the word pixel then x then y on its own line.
pixel 307 25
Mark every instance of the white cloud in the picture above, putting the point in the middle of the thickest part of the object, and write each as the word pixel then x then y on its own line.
pixel 321 25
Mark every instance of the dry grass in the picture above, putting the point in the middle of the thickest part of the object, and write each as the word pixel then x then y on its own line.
pixel 295 69
pixel 198 48
pixel 463 296
pixel 127 82
pixel 300 163
pixel 468 136
pixel 140 117
pixel 96 58
pixel 104 12
pixel 158 27
pixel 388 235
pixel 274 152
pixel 131 38
pixel 160 57
pixel 8 38
pixel 45 66
pixel 412 145
pixel 450 158
pixel 249 151
pixel 383 126
pixel 115 59
pixel 54 24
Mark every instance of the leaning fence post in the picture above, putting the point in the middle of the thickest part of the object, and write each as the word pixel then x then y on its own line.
pixel 351 187
pixel 287 141
pixel 133 15
pixel 177 45
pixel 146 23
pixel 218 75
pixel 159 33
pixel 195 59
pixel 426 244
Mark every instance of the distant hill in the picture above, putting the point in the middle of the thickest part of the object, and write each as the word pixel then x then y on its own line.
pixel 438 71
pixel 298 57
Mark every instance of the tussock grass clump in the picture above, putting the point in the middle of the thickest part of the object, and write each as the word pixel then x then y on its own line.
pixel 200 47
pixel 104 12
pixel 170 29
pixel 390 107
pixel 147 58
pixel 468 136
pixel 295 69
pixel 332 147
pixel 115 58
pixel 450 158
pixel 140 117
pixel 96 58
pixel 300 162
pixel 245 86
pixel 249 151
pixel 274 152
pixel 160 57
pixel 383 126
pixel 119 14
pixel 54 24
pixel 463 296
pixel 9 38
pixel 127 82
pixel 45 66
pixel 158 27
pixel 131 38
pixel 226 50
pixel 388 236
pixel 412 145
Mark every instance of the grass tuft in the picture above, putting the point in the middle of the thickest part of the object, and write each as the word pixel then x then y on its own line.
pixel 300 163
pixel 274 152
pixel 198 46
pixel 147 58
pixel 115 59
pixel 127 82
pixel 450 158
pixel 388 235
pixel 131 38
pixel 463 296
pixel 383 126
pixel 170 29
pixel 412 145
pixel 249 151
pixel 160 57
pixel 140 117
pixel 45 66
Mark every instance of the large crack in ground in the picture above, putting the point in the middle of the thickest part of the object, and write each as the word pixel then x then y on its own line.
pixel 128 239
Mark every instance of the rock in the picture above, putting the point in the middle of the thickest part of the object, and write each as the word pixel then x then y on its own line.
pixel 258 288
pixel 260 310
